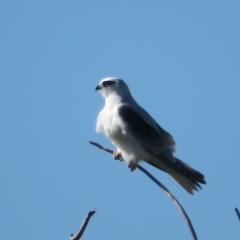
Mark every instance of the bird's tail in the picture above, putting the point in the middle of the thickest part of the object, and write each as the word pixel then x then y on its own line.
pixel 185 175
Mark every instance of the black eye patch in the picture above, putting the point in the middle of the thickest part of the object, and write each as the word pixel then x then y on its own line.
pixel 108 83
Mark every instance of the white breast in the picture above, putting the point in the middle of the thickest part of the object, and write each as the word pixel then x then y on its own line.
pixel 117 131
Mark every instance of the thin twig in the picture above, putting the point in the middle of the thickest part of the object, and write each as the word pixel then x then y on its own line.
pixel 194 236
pixel 83 227
pixel 238 213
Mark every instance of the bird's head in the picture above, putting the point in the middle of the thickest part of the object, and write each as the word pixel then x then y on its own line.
pixel 113 85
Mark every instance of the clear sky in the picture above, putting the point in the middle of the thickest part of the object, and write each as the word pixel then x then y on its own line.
pixel 181 60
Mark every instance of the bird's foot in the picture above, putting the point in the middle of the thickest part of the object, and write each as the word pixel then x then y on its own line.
pixel 117 155
pixel 132 165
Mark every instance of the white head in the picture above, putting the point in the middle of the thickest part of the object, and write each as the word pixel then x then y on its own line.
pixel 113 85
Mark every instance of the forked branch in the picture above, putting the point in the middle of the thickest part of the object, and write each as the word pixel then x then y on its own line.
pixel 194 236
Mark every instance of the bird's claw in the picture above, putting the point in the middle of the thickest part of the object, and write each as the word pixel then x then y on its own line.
pixel 117 155
pixel 132 165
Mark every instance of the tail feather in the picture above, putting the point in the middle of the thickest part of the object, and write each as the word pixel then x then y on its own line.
pixel 184 182
pixel 189 178
pixel 191 172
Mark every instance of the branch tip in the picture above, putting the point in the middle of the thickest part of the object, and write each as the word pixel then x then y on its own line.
pixel 238 213
pixel 84 225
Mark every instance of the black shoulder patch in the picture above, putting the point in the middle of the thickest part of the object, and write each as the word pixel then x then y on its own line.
pixel 136 123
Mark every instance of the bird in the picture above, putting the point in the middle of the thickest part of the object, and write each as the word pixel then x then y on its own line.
pixel 138 137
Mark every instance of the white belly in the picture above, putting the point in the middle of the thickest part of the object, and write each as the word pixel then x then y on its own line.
pixel 118 132
pixel 125 142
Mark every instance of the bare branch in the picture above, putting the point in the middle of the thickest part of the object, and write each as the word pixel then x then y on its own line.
pixel 183 212
pixel 238 213
pixel 83 227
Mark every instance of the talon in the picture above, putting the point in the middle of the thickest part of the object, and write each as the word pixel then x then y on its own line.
pixel 117 155
pixel 132 166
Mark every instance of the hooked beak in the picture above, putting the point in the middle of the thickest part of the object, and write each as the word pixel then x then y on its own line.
pixel 98 87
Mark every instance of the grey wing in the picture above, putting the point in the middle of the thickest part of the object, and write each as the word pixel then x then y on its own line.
pixel 158 142
pixel 155 140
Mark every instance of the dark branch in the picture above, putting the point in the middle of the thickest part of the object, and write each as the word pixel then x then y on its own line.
pixel 83 227
pixel 238 213
pixel 194 236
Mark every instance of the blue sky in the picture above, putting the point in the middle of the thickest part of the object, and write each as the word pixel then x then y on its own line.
pixel 181 61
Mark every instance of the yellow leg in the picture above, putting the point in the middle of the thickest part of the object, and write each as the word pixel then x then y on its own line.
pixel 117 155
pixel 132 165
